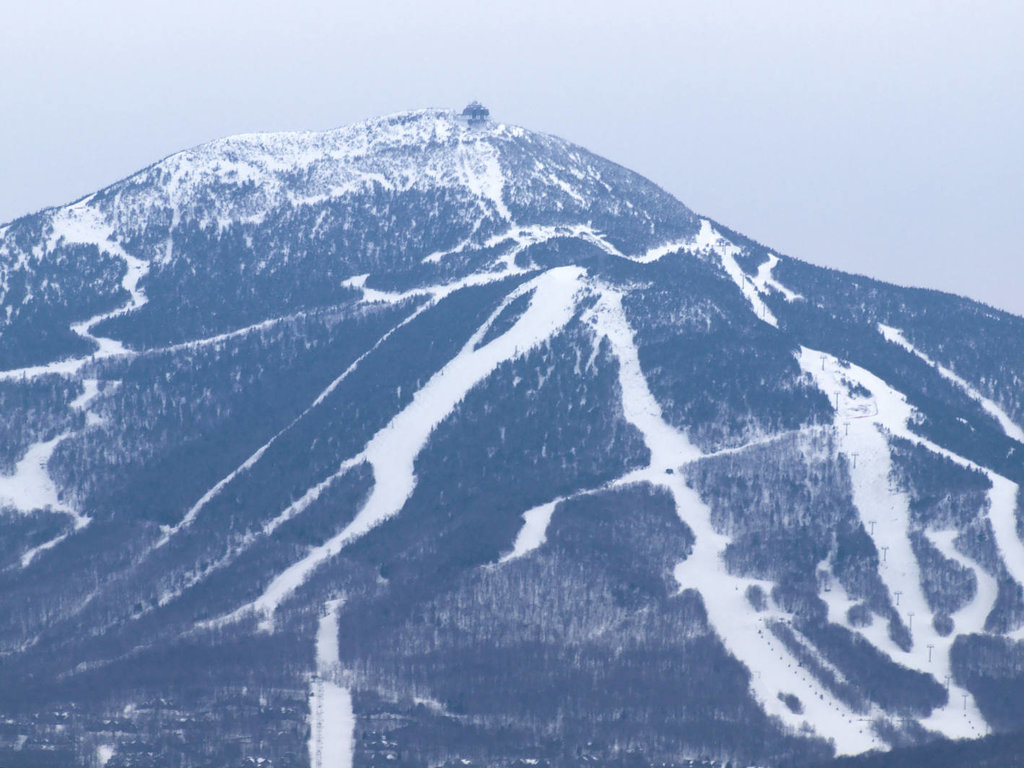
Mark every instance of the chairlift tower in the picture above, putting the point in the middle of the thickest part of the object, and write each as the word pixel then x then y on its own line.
pixel 318 719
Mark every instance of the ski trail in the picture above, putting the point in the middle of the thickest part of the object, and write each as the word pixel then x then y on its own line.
pixel 31 487
pixel 299 506
pixel 522 237
pixel 1003 500
pixel 897 416
pixel 859 424
pixel 435 295
pixel 38 482
pixel 332 720
pixel 1011 429
pixel 81 224
pixel 706 239
pixel 728 252
pixel 764 280
pixel 209 341
pixel 481 171
pixel 506 268
pixel 525 236
pixel 774 670
pixel 392 451
pixel 658 252
pixel 973 615
pixel 536 521
pixel 533 534
pixel 710 240
pixel 190 516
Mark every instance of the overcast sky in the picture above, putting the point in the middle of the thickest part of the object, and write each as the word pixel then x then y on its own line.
pixel 876 137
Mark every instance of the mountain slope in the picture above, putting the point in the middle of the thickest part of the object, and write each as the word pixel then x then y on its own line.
pixel 421 441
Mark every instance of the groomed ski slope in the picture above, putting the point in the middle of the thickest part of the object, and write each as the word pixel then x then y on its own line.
pixel 773 669
pixel 332 722
pixel 858 423
pixel 1011 429
pixel 534 532
pixel 392 451
pixel 860 426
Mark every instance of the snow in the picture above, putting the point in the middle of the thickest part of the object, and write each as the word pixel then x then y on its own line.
pixel 483 175
pixel 567 188
pixel 193 512
pixel 311 495
pixel 534 531
pixel 894 415
pixel 706 240
pixel 90 388
pixel 740 629
pixel 764 279
pixel 392 451
pixel 859 424
pixel 80 223
pixel 1011 429
pixel 525 236
pixel 31 487
pixel 356 281
pixel 434 294
pixel 1002 514
pixel 103 754
pixel 639 406
pixel 424 150
pixel 331 717
pixel 709 239
pixel 60 367
pixel 660 251
pixel 970 618
pixel 533 534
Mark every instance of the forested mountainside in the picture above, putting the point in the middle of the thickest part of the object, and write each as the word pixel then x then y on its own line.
pixel 428 441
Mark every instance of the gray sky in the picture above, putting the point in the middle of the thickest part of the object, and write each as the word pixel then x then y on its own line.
pixel 875 137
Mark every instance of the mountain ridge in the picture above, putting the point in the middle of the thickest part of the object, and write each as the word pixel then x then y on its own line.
pixel 498 413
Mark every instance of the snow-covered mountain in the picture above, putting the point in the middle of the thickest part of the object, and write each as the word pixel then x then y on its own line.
pixel 429 441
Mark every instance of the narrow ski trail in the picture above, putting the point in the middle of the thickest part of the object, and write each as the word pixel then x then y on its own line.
pixel 861 422
pixel 392 451
pixel 774 670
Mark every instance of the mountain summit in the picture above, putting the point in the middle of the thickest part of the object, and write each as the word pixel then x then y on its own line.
pixel 429 440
